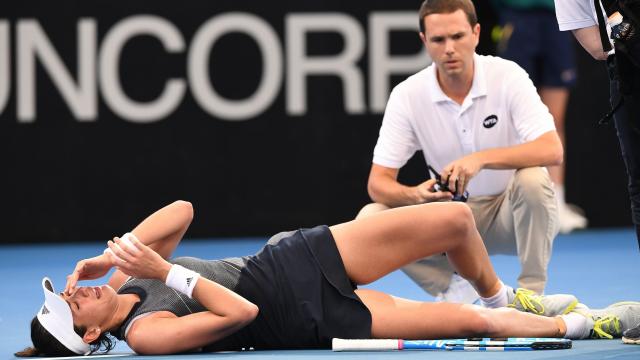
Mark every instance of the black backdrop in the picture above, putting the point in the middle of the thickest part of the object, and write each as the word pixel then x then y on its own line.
pixel 69 178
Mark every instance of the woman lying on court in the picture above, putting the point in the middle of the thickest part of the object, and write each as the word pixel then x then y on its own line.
pixel 299 291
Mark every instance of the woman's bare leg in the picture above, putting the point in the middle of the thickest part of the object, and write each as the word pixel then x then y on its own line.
pixel 397 318
pixel 376 245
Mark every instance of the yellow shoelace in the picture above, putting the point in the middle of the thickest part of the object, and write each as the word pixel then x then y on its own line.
pixel 529 300
pixel 606 327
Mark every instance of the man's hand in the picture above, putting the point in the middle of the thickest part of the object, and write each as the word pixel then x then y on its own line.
pixel 88 269
pixel 138 260
pixel 461 171
pixel 427 193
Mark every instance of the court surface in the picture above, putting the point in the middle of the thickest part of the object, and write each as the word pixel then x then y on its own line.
pixel 598 266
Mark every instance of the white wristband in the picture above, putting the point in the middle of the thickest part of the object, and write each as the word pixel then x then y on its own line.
pixel 182 279
pixel 126 240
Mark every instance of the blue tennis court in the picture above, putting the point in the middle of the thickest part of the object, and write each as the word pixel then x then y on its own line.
pixel 598 266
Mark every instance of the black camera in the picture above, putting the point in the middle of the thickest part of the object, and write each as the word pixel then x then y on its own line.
pixel 443 186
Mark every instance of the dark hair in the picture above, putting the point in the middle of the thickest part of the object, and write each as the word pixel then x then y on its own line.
pixel 45 344
pixel 429 7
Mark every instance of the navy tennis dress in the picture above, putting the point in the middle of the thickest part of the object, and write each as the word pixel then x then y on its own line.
pixel 298 282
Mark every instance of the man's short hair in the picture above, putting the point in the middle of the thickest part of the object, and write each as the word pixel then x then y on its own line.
pixel 429 7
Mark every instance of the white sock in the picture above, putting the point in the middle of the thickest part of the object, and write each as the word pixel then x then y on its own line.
pixel 500 299
pixel 576 326
pixel 559 193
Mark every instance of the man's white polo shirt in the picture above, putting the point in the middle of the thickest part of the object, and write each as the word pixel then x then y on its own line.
pixel 502 109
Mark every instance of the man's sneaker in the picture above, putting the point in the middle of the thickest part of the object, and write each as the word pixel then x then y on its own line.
pixel 545 305
pixel 632 336
pixel 570 218
pixel 612 321
pixel 459 291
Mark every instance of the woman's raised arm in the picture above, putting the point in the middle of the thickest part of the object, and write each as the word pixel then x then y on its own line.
pixel 160 231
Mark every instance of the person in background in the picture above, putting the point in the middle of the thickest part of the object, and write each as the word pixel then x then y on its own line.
pixel 529 36
pixel 480 122
pixel 609 30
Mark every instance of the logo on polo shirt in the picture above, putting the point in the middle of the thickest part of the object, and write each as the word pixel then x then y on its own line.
pixel 490 121
pixel 45 311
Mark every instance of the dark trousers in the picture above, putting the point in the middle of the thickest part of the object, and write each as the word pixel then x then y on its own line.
pixel 627 122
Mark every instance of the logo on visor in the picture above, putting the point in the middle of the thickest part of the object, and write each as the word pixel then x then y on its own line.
pixel 45 311
pixel 189 281
pixel 490 121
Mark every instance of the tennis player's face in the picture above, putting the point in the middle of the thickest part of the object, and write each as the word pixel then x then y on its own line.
pixel 92 306
pixel 451 42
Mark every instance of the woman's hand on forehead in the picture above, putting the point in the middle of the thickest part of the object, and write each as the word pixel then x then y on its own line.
pixel 88 269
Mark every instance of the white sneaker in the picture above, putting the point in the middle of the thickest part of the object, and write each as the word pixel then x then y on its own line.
pixel 459 291
pixel 612 321
pixel 546 305
pixel 571 218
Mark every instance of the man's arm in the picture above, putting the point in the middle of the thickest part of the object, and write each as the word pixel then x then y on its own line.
pixel 545 150
pixel 384 188
pixel 589 38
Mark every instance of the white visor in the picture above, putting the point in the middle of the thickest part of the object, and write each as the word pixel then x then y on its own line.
pixel 55 316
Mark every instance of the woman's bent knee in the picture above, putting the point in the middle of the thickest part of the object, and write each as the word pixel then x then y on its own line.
pixel 370 209
pixel 460 220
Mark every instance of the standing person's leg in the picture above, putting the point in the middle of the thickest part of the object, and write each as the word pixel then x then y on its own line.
pixel 520 39
pixel 627 121
pixel 556 99
pixel 374 246
pixel 570 216
pixel 558 75
pixel 397 318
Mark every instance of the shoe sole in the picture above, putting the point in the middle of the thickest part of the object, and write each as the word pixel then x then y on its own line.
pixel 630 341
